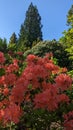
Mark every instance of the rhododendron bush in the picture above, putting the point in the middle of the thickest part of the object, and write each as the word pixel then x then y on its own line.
pixel 37 96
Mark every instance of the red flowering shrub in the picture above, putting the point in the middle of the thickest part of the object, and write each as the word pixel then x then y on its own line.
pixel 2 58
pixel 42 88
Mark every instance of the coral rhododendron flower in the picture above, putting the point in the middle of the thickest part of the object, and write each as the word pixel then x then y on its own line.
pixel 17 95
pixel 12 113
pixel 5 91
pixel 47 99
pixel 62 98
pixel 63 82
pixel 68 121
pixel 12 67
pixel 10 79
pixel 31 57
pixel 2 79
pixel 2 58
pixel 1 114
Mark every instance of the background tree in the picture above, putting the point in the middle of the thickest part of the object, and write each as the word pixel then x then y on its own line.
pixel 67 38
pixel 12 46
pixel 3 45
pixel 13 38
pixel 70 17
pixel 30 30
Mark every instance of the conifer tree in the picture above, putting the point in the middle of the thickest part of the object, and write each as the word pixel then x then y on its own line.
pixel 12 46
pixel 13 39
pixel 30 30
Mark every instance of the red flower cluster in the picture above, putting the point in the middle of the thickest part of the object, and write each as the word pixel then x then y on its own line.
pixel 63 82
pixel 68 123
pixel 12 113
pixel 2 58
pixel 41 83
pixel 50 99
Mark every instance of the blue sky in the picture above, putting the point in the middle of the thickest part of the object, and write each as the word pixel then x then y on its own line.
pixel 52 12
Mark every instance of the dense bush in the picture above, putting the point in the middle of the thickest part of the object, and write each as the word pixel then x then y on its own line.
pixel 38 97
pixel 58 50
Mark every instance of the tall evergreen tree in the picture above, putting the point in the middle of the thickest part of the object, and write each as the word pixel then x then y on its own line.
pixel 12 43
pixel 31 28
pixel 13 39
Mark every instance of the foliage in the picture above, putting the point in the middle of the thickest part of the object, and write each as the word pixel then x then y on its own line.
pixel 30 30
pixel 12 47
pixel 35 91
pixel 58 50
pixel 13 39
pixel 35 100
pixel 70 73
pixel 3 45
pixel 67 38
pixel 70 16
